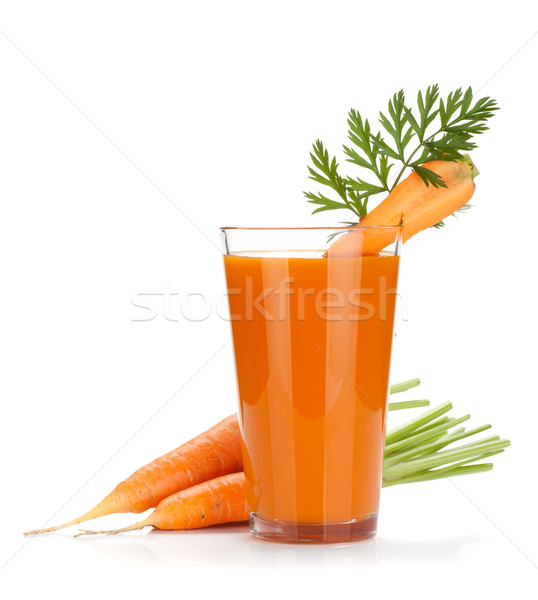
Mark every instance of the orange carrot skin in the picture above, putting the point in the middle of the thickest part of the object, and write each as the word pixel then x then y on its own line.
pixel 421 206
pixel 214 453
pixel 413 204
pixel 214 502
pixel 220 500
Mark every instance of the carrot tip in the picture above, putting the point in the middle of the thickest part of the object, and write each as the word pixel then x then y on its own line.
pixel 100 510
pixel 89 532
pixel 46 529
pixel 107 531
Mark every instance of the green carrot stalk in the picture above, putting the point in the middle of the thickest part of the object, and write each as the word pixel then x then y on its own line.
pixel 433 424
pixel 442 458
pixel 434 446
pixel 450 469
pixel 440 474
pixel 405 430
pixel 404 385
pixel 415 439
pixel 492 438
pixel 459 434
pixel 413 451
pixel 408 404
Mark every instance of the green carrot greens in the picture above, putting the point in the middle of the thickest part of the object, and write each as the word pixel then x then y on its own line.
pixel 414 451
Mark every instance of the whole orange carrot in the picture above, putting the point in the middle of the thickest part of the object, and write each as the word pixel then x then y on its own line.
pixel 221 500
pixel 413 205
pixel 213 453
pixel 410 456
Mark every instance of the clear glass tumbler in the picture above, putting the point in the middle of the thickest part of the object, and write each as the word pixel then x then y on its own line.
pixel 312 313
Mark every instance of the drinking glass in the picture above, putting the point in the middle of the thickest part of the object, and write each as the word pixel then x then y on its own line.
pixel 312 312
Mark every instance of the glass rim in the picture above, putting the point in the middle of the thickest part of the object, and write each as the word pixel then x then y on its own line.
pixel 333 228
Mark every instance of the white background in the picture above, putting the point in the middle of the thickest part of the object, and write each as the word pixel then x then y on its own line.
pixel 129 132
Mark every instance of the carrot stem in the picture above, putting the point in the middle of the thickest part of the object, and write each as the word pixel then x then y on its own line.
pixel 441 458
pixel 440 474
pixel 420 438
pixel 443 441
pixel 408 404
pixel 404 430
pixel 404 385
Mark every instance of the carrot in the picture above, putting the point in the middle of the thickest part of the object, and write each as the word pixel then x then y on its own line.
pixel 412 204
pixel 410 456
pixel 221 500
pixel 214 453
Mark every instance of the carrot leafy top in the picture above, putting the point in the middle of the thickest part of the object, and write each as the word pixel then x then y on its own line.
pixel 440 129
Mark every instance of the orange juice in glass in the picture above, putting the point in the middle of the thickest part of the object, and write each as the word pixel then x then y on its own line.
pixel 312 331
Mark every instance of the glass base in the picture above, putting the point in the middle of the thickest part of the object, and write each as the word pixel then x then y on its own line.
pixel 321 533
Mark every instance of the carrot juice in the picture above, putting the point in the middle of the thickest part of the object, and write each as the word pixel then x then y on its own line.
pixel 312 340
